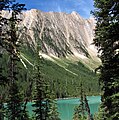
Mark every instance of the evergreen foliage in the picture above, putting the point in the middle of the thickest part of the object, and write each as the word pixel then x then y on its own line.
pixel 44 106
pixel 2 77
pixel 40 104
pixel 80 111
pixel 107 40
pixel 62 82
pixel 9 43
pixel 52 113
pixel 89 117
pixel 1 109
pixel 14 104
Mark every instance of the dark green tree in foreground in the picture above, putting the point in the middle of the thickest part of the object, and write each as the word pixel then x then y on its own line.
pixel 107 40
pixel 2 77
pixel 51 110
pixel 10 43
pixel 39 105
pixel 45 107
pixel 81 110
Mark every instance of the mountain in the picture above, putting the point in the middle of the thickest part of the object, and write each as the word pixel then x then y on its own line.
pixel 66 44
pixel 61 35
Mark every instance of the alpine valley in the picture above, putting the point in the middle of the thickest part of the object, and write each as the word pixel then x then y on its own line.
pixel 66 46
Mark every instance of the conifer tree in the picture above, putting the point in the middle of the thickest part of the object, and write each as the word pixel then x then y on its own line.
pixel 39 105
pixel 3 79
pixel 45 107
pixel 40 96
pixel 9 41
pixel 87 108
pixel 107 40
pixel 51 108
pixel 79 111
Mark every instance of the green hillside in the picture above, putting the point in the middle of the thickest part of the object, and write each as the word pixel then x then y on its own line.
pixel 64 75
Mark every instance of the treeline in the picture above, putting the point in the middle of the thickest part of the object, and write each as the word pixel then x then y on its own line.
pixel 65 83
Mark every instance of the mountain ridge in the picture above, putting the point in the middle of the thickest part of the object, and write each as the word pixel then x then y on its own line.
pixel 65 42
pixel 59 22
pixel 59 35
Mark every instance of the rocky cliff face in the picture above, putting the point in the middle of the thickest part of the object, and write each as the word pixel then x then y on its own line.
pixel 60 34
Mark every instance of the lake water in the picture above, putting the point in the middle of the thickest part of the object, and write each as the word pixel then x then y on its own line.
pixel 66 106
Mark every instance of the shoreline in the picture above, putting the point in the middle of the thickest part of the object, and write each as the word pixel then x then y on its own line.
pixel 75 97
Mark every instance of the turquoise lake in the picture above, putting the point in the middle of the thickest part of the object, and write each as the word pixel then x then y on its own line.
pixel 66 106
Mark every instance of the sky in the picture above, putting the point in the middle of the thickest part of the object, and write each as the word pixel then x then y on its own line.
pixel 83 7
